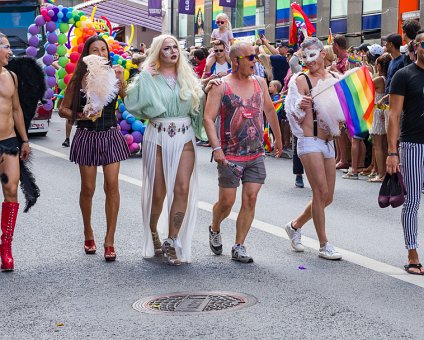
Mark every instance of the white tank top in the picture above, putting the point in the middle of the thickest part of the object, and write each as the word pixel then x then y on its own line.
pixel 221 67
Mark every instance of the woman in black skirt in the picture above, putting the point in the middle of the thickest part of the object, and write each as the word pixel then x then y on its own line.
pixel 96 143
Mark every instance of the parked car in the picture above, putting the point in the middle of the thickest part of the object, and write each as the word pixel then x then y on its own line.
pixel 41 121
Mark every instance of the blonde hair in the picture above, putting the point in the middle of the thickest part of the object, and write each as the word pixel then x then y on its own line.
pixel 227 20
pixel 329 53
pixel 267 66
pixel 190 87
pixel 277 84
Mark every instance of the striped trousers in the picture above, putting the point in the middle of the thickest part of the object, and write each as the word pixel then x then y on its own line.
pixel 412 168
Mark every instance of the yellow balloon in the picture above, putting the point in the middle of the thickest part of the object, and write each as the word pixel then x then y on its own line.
pixel 126 74
pixel 83 18
pixel 77 32
pixel 78 24
pixel 74 41
pixel 129 65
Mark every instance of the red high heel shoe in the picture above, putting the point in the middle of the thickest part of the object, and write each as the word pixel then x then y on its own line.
pixel 110 254
pixel 90 247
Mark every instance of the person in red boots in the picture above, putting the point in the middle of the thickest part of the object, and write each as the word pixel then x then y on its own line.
pixel 11 120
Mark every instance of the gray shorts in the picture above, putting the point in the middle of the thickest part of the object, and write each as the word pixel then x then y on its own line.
pixel 229 175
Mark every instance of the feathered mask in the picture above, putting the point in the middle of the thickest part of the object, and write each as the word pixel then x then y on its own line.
pixel 102 85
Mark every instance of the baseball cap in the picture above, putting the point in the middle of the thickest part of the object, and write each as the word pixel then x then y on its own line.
pixel 363 47
pixel 375 50
pixel 283 43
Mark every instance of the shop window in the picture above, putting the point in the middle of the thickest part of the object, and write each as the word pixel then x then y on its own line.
pixel 182 25
pixel 338 8
pixel 374 6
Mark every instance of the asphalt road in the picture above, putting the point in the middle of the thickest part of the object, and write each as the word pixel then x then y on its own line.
pixel 58 292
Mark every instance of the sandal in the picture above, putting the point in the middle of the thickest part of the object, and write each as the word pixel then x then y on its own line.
pixel 350 175
pixel 340 165
pixel 372 174
pixel 410 266
pixel 110 254
pixel 376 179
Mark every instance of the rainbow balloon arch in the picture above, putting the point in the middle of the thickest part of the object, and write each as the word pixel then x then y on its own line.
pixel 67 30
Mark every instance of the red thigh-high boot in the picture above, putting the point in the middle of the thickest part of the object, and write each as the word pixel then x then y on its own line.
pixel 9 213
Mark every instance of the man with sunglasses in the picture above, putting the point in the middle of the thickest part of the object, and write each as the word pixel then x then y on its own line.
pixel 406 115
pixel 238 103
pixel 11 120
pixel 220 67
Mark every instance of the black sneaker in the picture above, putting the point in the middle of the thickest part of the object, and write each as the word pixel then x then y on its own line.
pixel 215 241
pixel 299 181
pixel 66 143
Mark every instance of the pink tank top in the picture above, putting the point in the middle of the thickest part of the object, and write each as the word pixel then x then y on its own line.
pixel 240 124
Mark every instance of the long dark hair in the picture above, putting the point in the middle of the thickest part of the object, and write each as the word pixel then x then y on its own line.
pixel 384 61
pixel 75 84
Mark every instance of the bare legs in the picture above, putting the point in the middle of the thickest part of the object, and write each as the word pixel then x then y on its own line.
pixel 181 190
pixel 222 209
pixel 380 147
pixel 111 188
pixel 321 175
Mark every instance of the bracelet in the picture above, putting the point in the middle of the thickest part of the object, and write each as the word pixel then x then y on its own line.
pixel 392 154
pixel 25 141
pixel 216 148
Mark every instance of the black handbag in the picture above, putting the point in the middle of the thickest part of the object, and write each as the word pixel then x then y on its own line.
pixel 392 191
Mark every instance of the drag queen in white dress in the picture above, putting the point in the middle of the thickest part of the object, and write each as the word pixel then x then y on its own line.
pixel 170 96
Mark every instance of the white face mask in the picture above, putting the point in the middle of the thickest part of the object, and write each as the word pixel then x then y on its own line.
pixel 310 55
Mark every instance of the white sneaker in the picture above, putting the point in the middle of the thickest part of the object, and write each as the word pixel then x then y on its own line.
pixel 295 236
pixel 328 252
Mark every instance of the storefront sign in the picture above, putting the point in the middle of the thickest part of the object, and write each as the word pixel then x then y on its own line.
pixel 186 7
pixel 228 3
pixel 154 8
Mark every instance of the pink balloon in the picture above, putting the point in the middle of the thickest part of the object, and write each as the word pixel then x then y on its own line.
pixel 134 147
pixel 129 139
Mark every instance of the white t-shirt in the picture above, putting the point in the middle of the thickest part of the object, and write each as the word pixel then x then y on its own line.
pixel 221 67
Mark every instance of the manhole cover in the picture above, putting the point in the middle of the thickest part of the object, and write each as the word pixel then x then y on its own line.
pixel 194 302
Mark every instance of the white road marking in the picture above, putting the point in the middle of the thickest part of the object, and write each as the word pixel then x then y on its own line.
pixel 363 261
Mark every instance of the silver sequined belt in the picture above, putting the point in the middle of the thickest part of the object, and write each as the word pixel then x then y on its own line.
pixel 171 128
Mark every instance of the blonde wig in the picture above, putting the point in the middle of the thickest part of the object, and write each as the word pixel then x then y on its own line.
pixel 190 86
pixel 267 66
pixel 227 20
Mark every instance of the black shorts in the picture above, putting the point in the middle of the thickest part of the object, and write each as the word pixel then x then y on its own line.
pixel 10 144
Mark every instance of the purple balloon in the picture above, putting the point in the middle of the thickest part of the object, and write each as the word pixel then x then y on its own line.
pixel 34 29
pixel 50 7
pixel 138 137
pixel 39 20
pixel 48 59
pixel 50 13
pixel 51 81
pixel 48 106
pixel 55 18
pixel 119 116
pixel 49 94
pixel 33 41
pixel 50 71
pixel 55 10
pixel 51 49
pixel 51 26
pixel 124 125
pixel 124 132
pixel 52 38
pixel 31 51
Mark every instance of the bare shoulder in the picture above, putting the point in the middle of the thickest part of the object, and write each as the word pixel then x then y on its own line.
pixel 301 83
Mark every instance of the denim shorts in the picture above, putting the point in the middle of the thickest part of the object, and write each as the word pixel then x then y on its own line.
pixel 252 171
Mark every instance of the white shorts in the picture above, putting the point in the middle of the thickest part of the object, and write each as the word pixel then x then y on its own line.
pixel 307 145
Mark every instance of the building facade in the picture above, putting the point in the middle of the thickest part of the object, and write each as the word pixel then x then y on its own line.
pixel 359 20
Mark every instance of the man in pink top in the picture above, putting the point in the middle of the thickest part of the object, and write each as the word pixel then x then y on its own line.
pixel 237 143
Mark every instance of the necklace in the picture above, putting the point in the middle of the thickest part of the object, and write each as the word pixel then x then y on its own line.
pixel 171 81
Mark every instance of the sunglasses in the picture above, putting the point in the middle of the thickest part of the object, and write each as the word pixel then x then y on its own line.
pixel 222 22
pixel 420 44
pixel 216 51
pixel 250 57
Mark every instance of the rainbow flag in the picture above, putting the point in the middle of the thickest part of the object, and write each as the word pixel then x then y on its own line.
pixel 330 38
pixel 49 1
pixel 267 138
pixel 355 93
pixel 300 21
pixel 278 106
